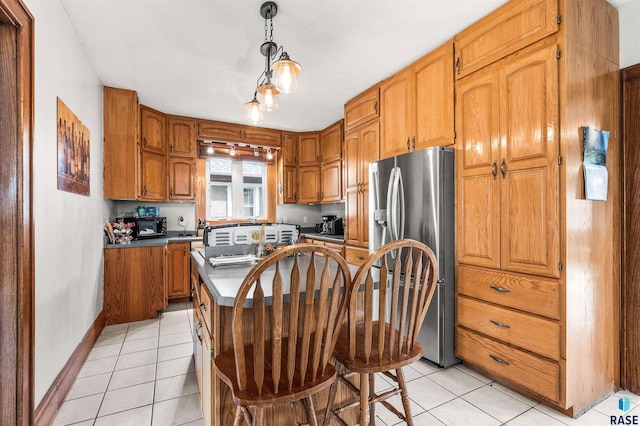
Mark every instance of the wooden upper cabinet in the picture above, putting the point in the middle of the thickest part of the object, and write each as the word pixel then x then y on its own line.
pixel 260 136
pixel 153 176
pixel 396 99
pixel 362 108
pixel 182 180
pixel 331 143
pixel 182 136
pixel 230 132
pixel 219 131
pixel 331 182
pixel 510 28
pixel 417 105
pixel 309 184
pixel 289 188
pixel 290 148
pixel 508 178
pixel 120 116
pixel 153 125
pixel 433 80
pixel 309 148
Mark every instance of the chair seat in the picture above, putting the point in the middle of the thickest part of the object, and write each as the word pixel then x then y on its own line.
pixel 375 365
pixel 224 365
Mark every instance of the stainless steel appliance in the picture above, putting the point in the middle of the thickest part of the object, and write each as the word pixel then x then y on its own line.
pixel 412 196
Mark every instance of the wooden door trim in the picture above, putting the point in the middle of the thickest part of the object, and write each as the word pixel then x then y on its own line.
pixel 630 300
pixel 16 270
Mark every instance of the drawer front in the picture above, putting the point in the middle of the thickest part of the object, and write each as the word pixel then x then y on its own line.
pixel 526 331
pixel 355 256
pixel 532 294
pixel 536 374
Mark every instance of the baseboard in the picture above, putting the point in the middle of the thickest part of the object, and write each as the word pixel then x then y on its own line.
pixel 48 408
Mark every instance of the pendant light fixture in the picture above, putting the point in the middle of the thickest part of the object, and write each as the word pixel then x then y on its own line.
pixel 286 71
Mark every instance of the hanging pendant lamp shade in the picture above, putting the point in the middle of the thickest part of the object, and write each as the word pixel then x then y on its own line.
pixel 254 112
pixel 268 96
pixel 286 74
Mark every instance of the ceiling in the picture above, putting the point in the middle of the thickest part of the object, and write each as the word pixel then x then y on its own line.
pixel 201 58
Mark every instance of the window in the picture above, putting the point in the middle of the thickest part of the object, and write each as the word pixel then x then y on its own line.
pixel 236 189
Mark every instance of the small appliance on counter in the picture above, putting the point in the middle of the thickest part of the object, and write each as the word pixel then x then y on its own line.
pixel 147 227
pixel 332 225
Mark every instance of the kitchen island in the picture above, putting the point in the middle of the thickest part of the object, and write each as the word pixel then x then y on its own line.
pixel 214 290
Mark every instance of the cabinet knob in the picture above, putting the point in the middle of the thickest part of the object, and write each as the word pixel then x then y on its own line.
pixel 375 107
pixel 408 145
pixel 171 148
pixel 458 65
pixel 145 190
pixel 503 169
pixel 499 324
pixel 494 170
pixel 499 289
pixel 499 360
pixel 171 192
pixel 413 142
pixel 144 141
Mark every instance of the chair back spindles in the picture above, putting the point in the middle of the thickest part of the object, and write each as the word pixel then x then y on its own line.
pixel 405 284
pixel 291 337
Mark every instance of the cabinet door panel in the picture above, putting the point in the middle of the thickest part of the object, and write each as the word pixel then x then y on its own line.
pixel 290 190
pixel 309 149
pixel 290 149
pixel 182 137
pixel 152 130
pixel 153 176
pixel 362 108
pixel 364 216
pixel 530 205
pixel 332 181
pixel 395 122
pixel 478 207
pixel 433 82
pixel 263 137
pixel 352 224
pixel 369 149
pixel 351 158
pixel 182 178
pixel 220 131
pixel 178 283
pixel 309 184
pixel 331 143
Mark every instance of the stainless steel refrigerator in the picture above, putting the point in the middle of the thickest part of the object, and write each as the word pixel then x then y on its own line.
pixel 412 196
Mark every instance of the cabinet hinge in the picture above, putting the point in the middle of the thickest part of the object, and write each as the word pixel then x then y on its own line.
pixel 559 19
pixel 560 266
pixel 559 160
pixel 558 53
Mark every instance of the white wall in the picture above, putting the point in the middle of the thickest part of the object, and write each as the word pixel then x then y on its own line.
pixel 629 16
pixel 68 227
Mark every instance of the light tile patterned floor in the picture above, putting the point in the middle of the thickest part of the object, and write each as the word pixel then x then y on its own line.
pixel 142 373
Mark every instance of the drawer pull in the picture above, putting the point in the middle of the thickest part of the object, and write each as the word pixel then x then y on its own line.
pixel 498 360
pixel 203 308
pixel 500 289
pixel 499 324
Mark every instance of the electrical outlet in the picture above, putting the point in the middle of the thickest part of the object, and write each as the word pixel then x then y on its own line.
pixel 180 220
pixel 305 219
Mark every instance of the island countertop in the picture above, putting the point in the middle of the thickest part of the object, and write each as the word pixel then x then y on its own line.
pixel 223 282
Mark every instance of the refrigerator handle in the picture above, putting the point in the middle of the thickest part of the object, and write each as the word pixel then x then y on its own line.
pixel 400 196
pixel 390 198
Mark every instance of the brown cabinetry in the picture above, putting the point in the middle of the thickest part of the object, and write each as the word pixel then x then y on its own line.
pixel 289 150
pixel 309 184
pixel 153 176
pixel 229 132
pixel 288 169
pixel 361 148
pixel 134 283
pixel 514 26
pixel 309 149
pixel 182 180
pixel 417 105
pixel 362 108
pixel 120 115
pixel 182 137
pixel 331 143
pixel 331 163
pixel 153 128
pixel 527 281
pixel 178 270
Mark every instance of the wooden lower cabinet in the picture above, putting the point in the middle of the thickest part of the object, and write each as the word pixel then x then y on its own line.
pixel 178 270
pixel 509 326
pixel 355 255
pixel 134 283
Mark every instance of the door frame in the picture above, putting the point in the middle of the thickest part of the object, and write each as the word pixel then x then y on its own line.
pixel 16 213
pixel 630 291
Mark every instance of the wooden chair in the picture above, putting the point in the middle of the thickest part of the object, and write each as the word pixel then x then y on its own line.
pixel 381 336
pixel 284 337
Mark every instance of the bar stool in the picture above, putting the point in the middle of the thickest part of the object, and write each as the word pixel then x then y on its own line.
pixel 380 336
pixel 284 337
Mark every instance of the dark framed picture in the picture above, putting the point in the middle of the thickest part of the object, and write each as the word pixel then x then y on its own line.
pixel 73 152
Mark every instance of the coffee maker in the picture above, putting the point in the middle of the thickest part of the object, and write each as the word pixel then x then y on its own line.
pixel 332 225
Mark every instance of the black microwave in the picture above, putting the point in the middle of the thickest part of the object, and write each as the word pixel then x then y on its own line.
pixel 147 227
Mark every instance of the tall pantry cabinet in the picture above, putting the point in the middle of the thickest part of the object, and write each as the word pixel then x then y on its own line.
pixel 537 263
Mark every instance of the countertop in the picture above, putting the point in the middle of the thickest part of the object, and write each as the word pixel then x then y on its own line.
pixel 224 282
pixel 324 237
pixel 172 237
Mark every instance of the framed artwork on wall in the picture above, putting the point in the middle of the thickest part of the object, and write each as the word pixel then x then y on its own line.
pixel 73 152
